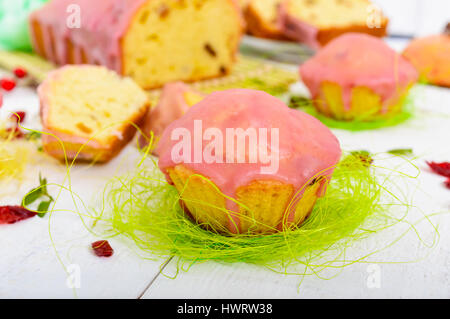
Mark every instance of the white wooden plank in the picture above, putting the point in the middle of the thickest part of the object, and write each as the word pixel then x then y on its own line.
pixel 415 17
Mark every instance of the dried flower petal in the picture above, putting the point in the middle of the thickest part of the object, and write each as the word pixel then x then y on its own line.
pixel 7 84
pixel 102 248
pixel 440 168
pixel 14 214
pixel 20 73
pixel 19 116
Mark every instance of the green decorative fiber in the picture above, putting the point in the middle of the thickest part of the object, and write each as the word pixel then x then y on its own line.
pixel 406 113
pixel 143 207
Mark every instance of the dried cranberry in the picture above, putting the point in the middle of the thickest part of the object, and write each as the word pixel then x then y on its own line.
pixel 440 168
pixel 7 84
pixel 102 248
pixel 14 214
pixel 20 73
pixel 19 117
pixel 447 183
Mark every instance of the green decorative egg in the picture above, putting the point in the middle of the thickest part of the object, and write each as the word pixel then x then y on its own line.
pixel 14 30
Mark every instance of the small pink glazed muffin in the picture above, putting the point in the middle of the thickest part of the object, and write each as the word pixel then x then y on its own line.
pixel 175 100
pixel 248 146
pixel 431 57
pixel 358 76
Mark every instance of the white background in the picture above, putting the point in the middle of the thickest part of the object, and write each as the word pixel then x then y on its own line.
pixel 416 17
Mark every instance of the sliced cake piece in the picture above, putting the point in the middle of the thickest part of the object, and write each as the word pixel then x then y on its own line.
pixel 262 19
pixel 89 112
pixel 317 22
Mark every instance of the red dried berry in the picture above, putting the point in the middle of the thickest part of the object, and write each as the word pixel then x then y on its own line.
pixel 102 248
pixel 440 168
pixel 20 73
pixel 447 183
pixel 7 84
pixel 19 117
pixel 14 214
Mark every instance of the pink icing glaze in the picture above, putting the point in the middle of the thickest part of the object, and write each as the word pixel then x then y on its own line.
pixel 171 106
pixel 357 59
pixel 296 29
pixel 307 148
pixel 103 24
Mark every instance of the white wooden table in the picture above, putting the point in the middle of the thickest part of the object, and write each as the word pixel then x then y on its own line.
pixel 31 266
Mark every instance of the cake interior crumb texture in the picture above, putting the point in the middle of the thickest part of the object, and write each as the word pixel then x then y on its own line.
pixel 92 101
pixel 186 40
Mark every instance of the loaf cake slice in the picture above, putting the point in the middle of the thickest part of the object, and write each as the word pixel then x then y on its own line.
pixel 152 41
pixel 262 19
pixel 91 111
pixel 317 22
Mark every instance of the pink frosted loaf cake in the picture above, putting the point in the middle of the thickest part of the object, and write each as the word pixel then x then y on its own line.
pixel 176 99
pixel 152 41
pixel 249 146
pixel 358 76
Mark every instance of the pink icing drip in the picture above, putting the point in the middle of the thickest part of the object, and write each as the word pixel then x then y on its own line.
pixel 306 146
pixel 103 24
pixel 357 59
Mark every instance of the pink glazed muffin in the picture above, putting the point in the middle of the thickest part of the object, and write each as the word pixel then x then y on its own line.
pixel 358 76
pixel 431 57
pixel 265 182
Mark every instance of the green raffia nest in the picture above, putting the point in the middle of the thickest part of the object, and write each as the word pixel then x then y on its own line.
pixel 362 124
pixel 145 208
